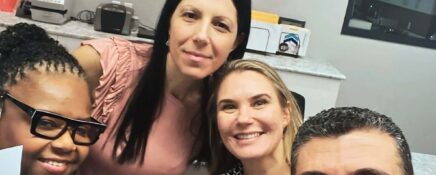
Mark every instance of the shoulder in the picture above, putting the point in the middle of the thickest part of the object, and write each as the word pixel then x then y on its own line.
pixel 89 59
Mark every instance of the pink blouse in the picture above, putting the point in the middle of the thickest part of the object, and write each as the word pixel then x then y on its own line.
pixel 170 141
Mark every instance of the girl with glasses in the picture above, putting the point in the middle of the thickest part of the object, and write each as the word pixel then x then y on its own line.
pixel 44 103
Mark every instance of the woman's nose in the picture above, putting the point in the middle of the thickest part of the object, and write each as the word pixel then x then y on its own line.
pixel 201 35
pixel 245 116
pixel 64 144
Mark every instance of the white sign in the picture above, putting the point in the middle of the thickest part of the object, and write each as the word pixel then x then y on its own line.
pixel 10 160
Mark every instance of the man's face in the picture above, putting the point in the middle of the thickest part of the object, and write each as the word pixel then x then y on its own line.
pixel 360 152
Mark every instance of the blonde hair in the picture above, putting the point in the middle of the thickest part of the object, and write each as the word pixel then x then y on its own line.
pixel 222 159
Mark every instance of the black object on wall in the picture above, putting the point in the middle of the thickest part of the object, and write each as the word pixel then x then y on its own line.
pixel 23 9
pixel 301 102
pixel 406 23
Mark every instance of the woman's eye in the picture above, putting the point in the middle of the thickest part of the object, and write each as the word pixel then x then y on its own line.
pixel 47 124
pixel 189 15
pixel 222 26
pixel 228 108
pixel 82 130
pixel 260 103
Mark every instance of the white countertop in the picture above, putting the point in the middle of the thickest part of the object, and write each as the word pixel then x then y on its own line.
pixel 424 164
pixel 84 31
pixel 310 66
pixel 73 29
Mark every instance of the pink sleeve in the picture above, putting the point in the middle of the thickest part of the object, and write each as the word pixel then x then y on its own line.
pixel 122 62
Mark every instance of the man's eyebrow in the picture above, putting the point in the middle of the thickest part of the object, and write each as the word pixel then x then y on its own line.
pixel 364 171
pixel 313 173
pixel 369 171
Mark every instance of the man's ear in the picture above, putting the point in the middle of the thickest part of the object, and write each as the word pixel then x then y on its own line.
pixel 239 40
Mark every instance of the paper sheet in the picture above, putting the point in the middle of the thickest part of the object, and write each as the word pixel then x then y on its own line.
pixel 10 160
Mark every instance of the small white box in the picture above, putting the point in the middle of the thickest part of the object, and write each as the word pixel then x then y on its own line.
pixel 263 37
pixel 293 40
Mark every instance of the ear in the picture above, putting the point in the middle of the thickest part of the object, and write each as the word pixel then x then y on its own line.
pixel 239 40
pixel 287 114
pixel 1 109
pixel 2 101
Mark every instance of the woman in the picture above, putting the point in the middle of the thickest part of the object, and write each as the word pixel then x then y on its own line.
pixel 44 102
pixel 254 120
pixel 153 98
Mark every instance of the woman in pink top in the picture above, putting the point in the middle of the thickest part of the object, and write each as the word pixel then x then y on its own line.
pixel 153 97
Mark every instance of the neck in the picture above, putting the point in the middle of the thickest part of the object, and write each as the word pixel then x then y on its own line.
pixel 266 168
pixel 186 89
pixel 268 165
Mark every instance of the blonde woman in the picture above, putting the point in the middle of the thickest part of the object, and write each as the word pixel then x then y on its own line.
pixel 254 120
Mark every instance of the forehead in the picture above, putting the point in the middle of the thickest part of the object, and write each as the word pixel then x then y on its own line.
pixel 246 82
pixel 345 154
pixel 217 7
pixel 62 93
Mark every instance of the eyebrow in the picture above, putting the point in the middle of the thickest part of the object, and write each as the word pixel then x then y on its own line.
pixel 224 101
pixel 251 98
pixel 189 7
pixel 196 10
pixel 260 96
pixel 369 171
pixel 364 171
pixel 313 173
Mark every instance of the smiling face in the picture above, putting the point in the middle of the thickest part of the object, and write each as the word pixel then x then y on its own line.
pixel 249 116
pixel 62 93
pixel 201 36
pixel 358 152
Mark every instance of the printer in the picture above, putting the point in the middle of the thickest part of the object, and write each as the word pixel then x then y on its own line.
pixel 51 11
pixel 113 18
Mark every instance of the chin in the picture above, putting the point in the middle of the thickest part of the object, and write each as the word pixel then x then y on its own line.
pixel 248 154
pixel 196 75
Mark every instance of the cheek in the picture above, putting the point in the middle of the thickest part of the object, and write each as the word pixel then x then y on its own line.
pixel 35 145
pixel 14 135
pixel 83 153
pixel 218 63
pixel 272 121
pixel 224 48
pixel 223 125
pixel 32 149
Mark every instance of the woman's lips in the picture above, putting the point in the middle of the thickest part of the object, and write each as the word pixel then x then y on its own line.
pixel 196 56
pixel 247 136
pixel 55 167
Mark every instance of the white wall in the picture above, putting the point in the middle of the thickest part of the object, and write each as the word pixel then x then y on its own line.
pixel 394 79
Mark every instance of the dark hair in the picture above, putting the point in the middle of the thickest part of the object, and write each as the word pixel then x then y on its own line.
pixel 150 90
pixel 26 46
pixel 340 121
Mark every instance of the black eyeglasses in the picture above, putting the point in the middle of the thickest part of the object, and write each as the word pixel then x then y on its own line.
pixel 51 126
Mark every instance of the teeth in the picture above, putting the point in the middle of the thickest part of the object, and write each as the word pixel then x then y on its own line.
pixel 54 163
pixel 247 136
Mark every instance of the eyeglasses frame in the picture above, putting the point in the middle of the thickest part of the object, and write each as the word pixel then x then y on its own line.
pixel 36 114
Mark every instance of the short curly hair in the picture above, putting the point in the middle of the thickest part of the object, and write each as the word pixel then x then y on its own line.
pixel 25 47
pixel 340 121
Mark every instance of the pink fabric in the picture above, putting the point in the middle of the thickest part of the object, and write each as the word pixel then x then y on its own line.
pixel 170 140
